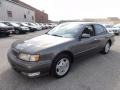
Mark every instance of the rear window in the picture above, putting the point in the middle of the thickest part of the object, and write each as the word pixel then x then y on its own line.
pixel 99 29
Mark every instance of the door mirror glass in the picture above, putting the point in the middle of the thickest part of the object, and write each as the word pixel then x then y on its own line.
pixel 84 35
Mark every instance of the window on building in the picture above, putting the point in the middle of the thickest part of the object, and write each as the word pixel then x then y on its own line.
pixel 28 12
pixel 25 16
pixel 9 13
pixel 0 2
pixel 32 18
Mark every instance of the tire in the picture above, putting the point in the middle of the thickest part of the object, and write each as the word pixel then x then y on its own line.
pixel 106 48
pixel 117 34
pixel 17 32
pixel 7 34
pixel 61 66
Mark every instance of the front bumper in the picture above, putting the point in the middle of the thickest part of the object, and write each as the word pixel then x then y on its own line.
pixel 29 67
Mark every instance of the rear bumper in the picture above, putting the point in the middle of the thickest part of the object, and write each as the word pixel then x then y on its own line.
pixel 29 67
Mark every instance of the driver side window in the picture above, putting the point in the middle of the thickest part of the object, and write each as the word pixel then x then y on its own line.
pixel 89 30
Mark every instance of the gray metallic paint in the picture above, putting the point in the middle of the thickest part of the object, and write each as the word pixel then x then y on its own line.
pixel 50 46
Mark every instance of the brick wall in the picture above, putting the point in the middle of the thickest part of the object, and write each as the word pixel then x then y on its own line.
pixel 41 16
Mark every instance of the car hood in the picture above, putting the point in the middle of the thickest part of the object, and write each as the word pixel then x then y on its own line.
pixel 36 44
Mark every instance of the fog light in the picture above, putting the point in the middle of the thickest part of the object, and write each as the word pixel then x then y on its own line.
pixel 31 74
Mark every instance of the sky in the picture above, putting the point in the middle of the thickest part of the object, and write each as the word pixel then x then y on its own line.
pixel 77 9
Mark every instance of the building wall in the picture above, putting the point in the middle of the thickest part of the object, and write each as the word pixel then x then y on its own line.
pixel 41 17
pixel 18 12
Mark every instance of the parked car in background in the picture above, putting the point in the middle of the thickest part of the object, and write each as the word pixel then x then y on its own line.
pixel 32 28
pixel 46 26
pixel 54 25
pixel 51 25
pixel 109 28
pixel 117 29
pixel 5 30
pixel 17 28
pixel 43 26
pixel 39 27
pixel 55 51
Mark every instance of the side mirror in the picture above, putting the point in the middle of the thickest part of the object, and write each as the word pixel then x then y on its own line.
pixel 85 35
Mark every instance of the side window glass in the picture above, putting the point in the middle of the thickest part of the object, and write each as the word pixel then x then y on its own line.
pixel 100 30
pixel 89 30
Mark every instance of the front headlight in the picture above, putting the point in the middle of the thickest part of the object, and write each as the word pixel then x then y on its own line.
pixel 35 58
pixel 28 57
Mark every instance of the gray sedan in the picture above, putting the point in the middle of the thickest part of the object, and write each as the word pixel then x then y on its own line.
pixel 55 51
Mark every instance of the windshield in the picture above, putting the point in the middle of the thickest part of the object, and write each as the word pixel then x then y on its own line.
pixel 65 30
pixel 15 24
pixel 2 25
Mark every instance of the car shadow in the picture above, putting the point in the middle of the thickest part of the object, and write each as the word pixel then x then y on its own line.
pixel 3 36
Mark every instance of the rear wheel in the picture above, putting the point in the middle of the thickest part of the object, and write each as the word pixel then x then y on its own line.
pixel 17 32
pixel 61 66
pixel 106 48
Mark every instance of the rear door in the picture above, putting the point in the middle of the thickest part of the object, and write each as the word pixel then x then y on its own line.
pixel 101 35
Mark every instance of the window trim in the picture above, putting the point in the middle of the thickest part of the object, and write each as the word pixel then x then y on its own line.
pixel 9 14
pixel 25 16
pixel 105 31
pixel 92 27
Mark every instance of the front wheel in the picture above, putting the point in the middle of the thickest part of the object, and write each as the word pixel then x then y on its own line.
pixel 61 66
pixel 106 48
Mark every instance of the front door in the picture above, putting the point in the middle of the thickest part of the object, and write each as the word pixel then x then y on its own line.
pixel 86 43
